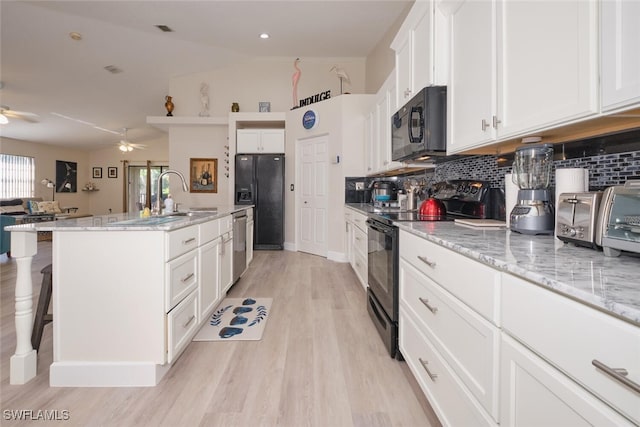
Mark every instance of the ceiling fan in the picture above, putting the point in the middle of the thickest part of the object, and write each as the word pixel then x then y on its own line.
pixel 125 145
pixel 7 113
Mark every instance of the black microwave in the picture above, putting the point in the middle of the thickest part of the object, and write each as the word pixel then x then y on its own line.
pixel 419 128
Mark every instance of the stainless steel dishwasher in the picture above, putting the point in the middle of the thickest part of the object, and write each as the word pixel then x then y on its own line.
pixel 239 244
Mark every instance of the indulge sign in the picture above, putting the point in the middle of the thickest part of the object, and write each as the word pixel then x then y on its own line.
pixel 315 98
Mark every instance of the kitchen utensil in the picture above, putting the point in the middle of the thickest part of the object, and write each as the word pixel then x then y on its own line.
pixel 433 208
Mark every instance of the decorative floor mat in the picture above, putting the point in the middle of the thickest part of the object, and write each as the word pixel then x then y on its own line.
pixel 236 319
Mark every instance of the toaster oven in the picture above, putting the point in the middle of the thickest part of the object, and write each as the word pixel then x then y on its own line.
pixel 577 215
pixel 619 219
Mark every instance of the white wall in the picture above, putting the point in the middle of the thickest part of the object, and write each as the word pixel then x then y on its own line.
pixel 45 159
pixel 342 120
pixel 111 191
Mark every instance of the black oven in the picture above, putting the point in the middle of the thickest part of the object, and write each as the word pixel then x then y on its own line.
pixel 382 293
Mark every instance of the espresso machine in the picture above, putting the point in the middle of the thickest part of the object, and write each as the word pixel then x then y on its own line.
pixel 534 212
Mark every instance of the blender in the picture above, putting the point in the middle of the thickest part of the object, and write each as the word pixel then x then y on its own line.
pixel 534 213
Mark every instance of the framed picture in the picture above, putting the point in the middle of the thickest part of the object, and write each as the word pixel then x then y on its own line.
pixel 66 177
pixel 112 172
pixel 203 175
pixel 97 172
pixel 264 107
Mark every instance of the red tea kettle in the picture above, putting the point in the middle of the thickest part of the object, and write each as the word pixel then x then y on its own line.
pixel 433 209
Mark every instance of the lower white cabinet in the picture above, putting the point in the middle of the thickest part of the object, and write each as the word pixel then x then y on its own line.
pixel 209 289
pixel 357 244
pixel 225 254
pixel 249 241
pixel 182 323
pixel 533 393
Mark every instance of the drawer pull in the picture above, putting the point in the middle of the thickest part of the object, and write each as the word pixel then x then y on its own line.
pixel 426 261
pixel 189 241
pixel 431 308
pixel 618 374
pixel 191 319
pixel 187 277
pixel 424 364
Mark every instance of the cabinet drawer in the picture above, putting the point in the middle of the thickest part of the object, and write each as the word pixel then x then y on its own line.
pixel 571 335
pixel 360 241
pixel 474 283
pixel 453 404
pixel 226 224
pixel 182 277
pixel 360 267
pixel 467 341
pixel 181 241
pixel 359 220
pixel 182 323
pixel 209 231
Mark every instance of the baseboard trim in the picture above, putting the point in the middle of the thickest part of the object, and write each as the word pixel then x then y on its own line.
pixel 106 374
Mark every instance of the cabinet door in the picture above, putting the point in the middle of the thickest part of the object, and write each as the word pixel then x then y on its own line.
pixel 472 80
pixel 548 74
pixel 371 148
pixel 208 287
pixel 249 242
pixel 272 141
pixel 533 393
pixel 226 263
pixel 403 71
pixel 422 48
pixel 248 141
pixel 620 61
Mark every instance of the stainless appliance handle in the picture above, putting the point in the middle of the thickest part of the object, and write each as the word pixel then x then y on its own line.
pixel 379 227
pixel 413 139
pixel 618 374
pixel 424 364
pixel 426 261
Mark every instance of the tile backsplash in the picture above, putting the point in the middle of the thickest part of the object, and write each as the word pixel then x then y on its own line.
pixel 604 170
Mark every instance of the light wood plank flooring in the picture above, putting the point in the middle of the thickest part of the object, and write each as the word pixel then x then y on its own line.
pixel 319 363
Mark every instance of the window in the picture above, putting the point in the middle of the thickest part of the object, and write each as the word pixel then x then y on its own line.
pixel 17 176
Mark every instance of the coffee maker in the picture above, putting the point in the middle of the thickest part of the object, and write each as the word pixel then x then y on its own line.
pixel 534 212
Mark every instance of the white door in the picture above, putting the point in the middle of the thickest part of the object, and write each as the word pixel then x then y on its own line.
pixel 312 202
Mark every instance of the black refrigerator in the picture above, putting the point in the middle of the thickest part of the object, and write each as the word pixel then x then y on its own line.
pixel 259 181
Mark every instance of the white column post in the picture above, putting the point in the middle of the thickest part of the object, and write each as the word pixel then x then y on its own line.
pixel 24 245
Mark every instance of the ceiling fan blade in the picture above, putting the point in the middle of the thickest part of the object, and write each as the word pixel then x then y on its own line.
pixel 21 115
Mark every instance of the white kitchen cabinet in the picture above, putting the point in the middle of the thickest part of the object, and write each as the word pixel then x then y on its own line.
pixel 457 320
pixel 521 80
pixel 226 254
pixel 531 312
pixel 533 393
pixel 370 147
pixel 260 141
pixel 249 235
pixel 620 58
pixel 358 241
pixel 209 287
pixel 415 50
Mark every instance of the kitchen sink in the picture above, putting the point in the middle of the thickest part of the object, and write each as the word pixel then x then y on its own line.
pixel 152 220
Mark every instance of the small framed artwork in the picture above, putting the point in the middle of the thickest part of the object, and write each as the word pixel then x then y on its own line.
pixel 264 107
pixel 112 172
pixel 203 175
pixel 97 172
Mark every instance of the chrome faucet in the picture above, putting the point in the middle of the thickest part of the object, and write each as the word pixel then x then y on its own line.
pixel 157 210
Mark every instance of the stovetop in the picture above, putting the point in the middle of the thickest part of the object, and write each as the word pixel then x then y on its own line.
pixel 411 216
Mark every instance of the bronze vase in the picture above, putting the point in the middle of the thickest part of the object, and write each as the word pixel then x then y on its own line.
pixel 235 107
pixel 168 105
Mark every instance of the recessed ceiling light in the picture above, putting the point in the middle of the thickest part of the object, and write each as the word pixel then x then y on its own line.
pixel 75 36
pixel 264 36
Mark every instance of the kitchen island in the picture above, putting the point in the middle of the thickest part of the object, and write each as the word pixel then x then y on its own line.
pixel 128 293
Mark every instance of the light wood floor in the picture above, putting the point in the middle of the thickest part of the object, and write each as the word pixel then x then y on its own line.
pixel 319 363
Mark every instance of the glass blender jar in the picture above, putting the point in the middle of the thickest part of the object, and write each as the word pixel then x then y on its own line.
pixel 534 212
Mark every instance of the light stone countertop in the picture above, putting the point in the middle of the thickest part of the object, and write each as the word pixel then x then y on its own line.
pixel 610 284
pixel 129 221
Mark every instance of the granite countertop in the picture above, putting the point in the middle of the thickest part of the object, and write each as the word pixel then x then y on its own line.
pixel 610 284
pixel 131 221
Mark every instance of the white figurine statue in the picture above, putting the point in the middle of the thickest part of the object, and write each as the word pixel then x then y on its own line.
pixel 204 100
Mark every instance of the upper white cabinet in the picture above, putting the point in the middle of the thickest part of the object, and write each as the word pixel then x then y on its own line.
pixel 260 141
pixel 525 78
pixel 620 58
pixel 416 50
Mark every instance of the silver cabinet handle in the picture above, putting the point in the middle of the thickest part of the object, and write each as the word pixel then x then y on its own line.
pixel 191 319
pixel 424 364
pixel 618 374
pixel 485 125
pixel 495 122
pixel 189 241
pixel 187 277
pixel 431 308
pixel 426 261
